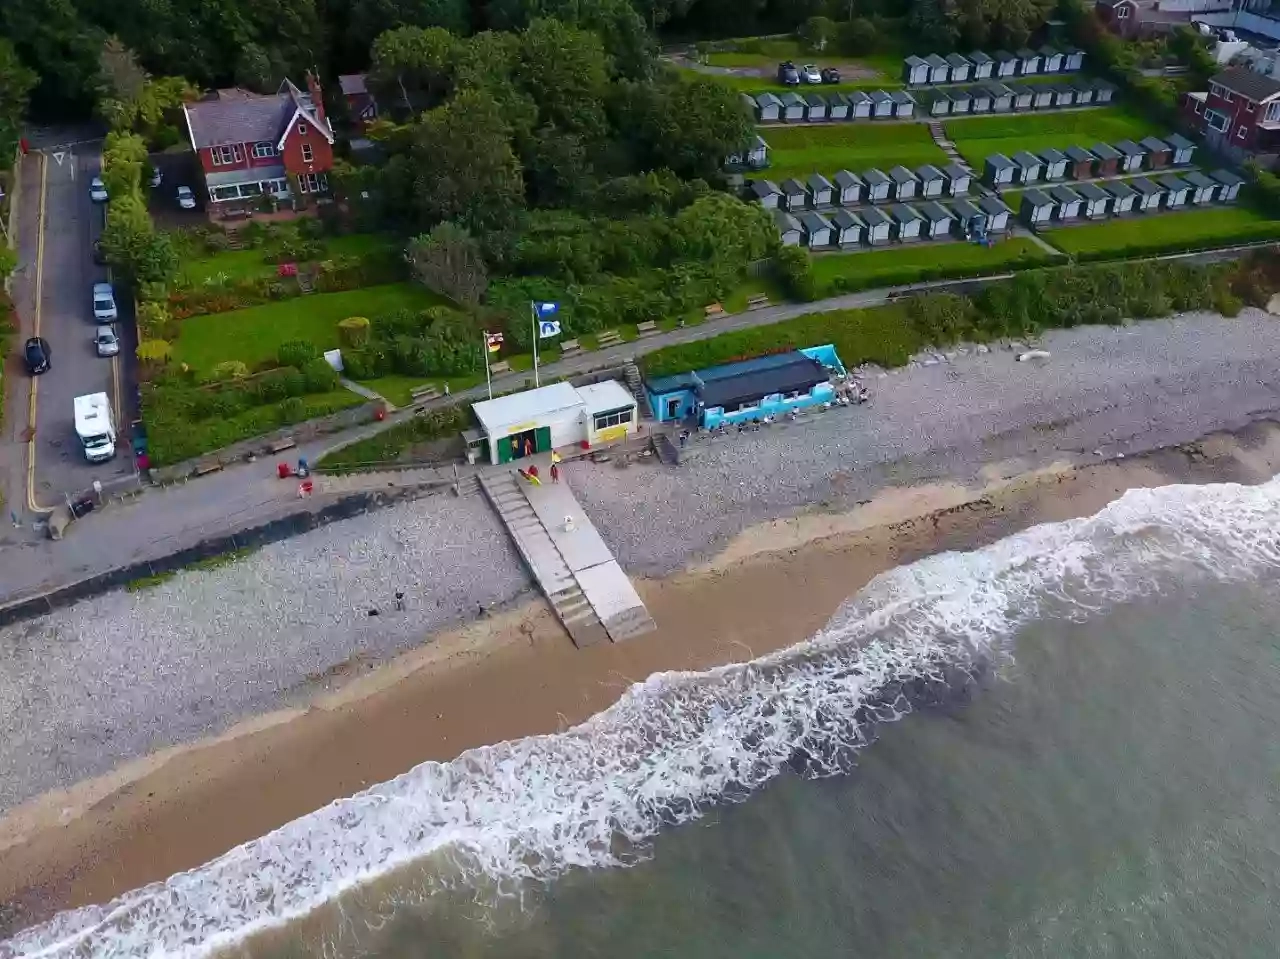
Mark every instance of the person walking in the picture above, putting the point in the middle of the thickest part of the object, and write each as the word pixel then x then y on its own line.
pixel 555 467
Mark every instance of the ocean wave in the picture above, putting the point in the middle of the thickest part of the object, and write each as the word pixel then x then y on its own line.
pixel 678 743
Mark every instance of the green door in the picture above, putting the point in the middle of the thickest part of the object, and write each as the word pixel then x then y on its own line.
pixel 504 449
pixel 542 439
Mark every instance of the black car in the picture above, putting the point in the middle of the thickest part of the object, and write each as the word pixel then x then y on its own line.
pixel 788 75
pixel 830 75
pixel 98 256
pixel 37 355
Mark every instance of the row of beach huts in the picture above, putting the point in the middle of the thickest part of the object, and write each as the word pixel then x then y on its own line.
pixel 979 98
pixel 841 228
pixel 848 189
pixel 1097 200
pixel 961 68
pixel 1098 161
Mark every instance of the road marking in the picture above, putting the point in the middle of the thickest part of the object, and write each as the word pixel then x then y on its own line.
pixel 32 504
pixel 59 156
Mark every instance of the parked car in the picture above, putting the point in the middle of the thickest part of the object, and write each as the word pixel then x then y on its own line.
pixel 37 355
pixel 830 75
pixel 186 199
pixel 98 190
pixel 104 303
pixel 99 257
pixel 810 73
pixel 156 177
pixel 788 75
pixel 107 342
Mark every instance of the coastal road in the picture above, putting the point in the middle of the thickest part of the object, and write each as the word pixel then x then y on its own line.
pixel 58 242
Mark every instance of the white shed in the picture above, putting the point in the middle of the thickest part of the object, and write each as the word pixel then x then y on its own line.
pixel 1068 201
pixel 1055 164
pixel 958 179
pixel 904 104
pixel 1228 185
pixel 1149 194
pixel 1006 64
pixel 1176 190
pixel 766 193
pixel 1000 170
pixel 837 107
pixel 907 223
pixel 768 108
pixel 939 69
pixel 878 186
pixel 878 225
pixel 1036 207
pixel 859 105
pixel 905 184
pixel 848 227
pixel 793 107
pixel 881 105
pixel 931 180
pixel 554 416
pixel 1123 196
pixel 937 218
pixel 997 212
pixel 1051 59
pixel 1182 149
pixel 821 192
pixel 1096 200
pixel 817 229
pixel 849 188
pixel 915 71
pixel 788 228
pixel 1203 188
pixel 983 65
pixel 961 68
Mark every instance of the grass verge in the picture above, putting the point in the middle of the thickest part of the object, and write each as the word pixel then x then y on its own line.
pixel 846 272
pixel 392 444
pixel 802 150
pixel 979 137
pixel 251 264
pixel 211 562
pixel 1166 232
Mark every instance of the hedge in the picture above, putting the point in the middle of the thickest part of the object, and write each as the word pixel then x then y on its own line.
pixel 390 444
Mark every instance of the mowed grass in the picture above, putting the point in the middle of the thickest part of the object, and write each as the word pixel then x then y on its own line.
pixel 905 264
pixel 804 149
pixel 767 53
pixel 252 264
pixel 255 334
pixel 979 137
pixel 1184 228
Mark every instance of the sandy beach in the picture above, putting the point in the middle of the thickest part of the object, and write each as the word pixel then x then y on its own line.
pixel 801 537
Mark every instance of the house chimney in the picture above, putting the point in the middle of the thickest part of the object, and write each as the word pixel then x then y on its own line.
pixel 317 94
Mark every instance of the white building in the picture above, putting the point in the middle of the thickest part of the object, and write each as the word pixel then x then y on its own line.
pixel 537 421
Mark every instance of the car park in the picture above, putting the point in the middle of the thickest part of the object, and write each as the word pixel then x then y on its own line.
pixel 788 75
pixel 104 303
pixel 186 199
pixel 830 75
pixel 37 355
pixel 106 342
pixel 810 73
pixel 98 190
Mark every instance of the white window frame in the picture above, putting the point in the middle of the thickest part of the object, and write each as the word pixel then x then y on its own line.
pixel 1241 131
pixel 1122 11
pixel 1228 96
pixel 227 154
pixel 264 149
pixel 611 418
pixel 1217 120
pixel 313 182
pixel 302 128
pixel 1199 106
pixel 1272 113
pixel 308 155
pixel 250 191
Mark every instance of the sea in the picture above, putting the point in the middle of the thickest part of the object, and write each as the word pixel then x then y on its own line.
pixel 1066 744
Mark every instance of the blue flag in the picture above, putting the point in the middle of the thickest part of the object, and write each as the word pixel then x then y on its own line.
pixel 547 309
pixel 548 328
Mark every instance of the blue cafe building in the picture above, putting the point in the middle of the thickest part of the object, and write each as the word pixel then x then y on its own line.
pixel 746 390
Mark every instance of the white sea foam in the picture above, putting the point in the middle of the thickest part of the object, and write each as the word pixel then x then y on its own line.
pixel 678 742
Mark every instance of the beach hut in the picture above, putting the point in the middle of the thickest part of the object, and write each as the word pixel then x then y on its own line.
pixel 1131 156
pixel 1203 188
pixel 768 108
pixel 904 104
pixel 1159 153
pixel 905 184
pixel 879 186
pixel 1037 208
pixel 1006 64
pixel 859 105
pixel 1228 185
pixel 788 228
pixel 1064 95
pixel 1029 166
pixel 1081 161
pixel 939 103
pixel 878 226
pixel 961 100
pixel 915 71
pixel 1023 94
pixel 958 179
pixel 1001 97
pixel 939 69
pixel 1084 92
pixel 937 219
pixel 961 68
pixel 1074 60
pixel 1041 96
pixel 1051 60
pixel 1149 194
pixel 1055 164
pixel 931 179
pixel 1096 200
pixel 848 228
pixel 998 213
pixel 793 107
pixel 837 107
pixel 1108 159
pixel 968 217
pixel 1000 170
pixel 758 154
pixel 818 231
pixel 981 97
pixel 983 65
pixel 766 193
pixel 815 107
pixel 821 192
pixel 794 195
pixel 1068 203
pixel 881 105
pixel 849 188
pixel 1028 62
pixel 1103 92
pixel 1182 149
pixel 1123 196
pixel 907 223
pixel 1176 191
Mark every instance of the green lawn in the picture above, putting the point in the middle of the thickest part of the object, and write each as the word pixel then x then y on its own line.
pixel 1185 229
pixel 761 84
pixel 250 264
pixel 911 263
pixel 979 137
pixel 801 150
pixel 254 335
pixel 766 54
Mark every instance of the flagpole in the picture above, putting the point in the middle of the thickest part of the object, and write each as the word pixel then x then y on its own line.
pixel 484 356
pixel 533 318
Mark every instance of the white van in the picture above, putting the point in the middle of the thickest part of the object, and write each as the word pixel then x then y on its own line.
pixel 95 428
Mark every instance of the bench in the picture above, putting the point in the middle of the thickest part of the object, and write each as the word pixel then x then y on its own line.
pixel 282 444
pixel 715 309
pixel 647 328
pixel 609 338
pixel 502 366
pixel 207 467
pixel 757 302
pixel 427 391
pixel 569 348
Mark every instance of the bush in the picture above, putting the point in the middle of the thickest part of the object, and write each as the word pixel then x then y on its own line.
pixel 318 376
pixel 297 353
pixel 230 370
pixel 390 444
pixel 290 410
pixel 354 331
pixel 857 37
pixel 154 351
pixel 795 273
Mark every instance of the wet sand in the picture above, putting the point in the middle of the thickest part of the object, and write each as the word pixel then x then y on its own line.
pixel 516 674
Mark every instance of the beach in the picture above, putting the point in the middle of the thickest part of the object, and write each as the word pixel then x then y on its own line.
pixel 954 453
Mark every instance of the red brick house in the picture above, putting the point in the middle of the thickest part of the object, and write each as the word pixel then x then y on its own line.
pixel 361 105
pixel 251 145
pixel 1132 19
pixel 1239 114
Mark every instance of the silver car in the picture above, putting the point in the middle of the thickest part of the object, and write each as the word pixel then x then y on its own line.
pixel 97 190
pixel 107 342
pixel 104 303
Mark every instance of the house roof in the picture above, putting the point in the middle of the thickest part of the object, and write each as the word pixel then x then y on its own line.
pixel 939 96
pixel 1179 142
pixel 762 188
pixel 353 84
pixel 1252 86
pixel 1130 149
pixel 844 219
pixel 1048 51
pixel 1041 89
pixel 790 99
pixel 915 61
pixel 978 91
pixel 903 213
pixel 928 172
pixel 767 99
pixel 961 93
pixel 876 177
pixel 1019 89
pixel 1119 189
pixel 837 100
pixel 979 57
pixel 815 100
pixel 749 380
pixel 1105 152
pixel 1091 191
pixel 901 174
pixel 859 96
pixel 846 179
pixel 1227 178
pixel 901 96
pixel 238 116
pixel 993 205
pixel 875 216
pixel 964 209
pixel 812 221
pixel 817 181
pixel 1036 198
pixel 1004 56
pixel 786 223
pixel 934 212
pixel 793 186
pixel 1171 182
pixel 497 414
pixel 1028 54
pixel 607 395
pixel 1053 156
pixel 1063 194
pixel 956 172
pixel 956 60
pixel 998 89
pixel 1082 85
pixel 999 161
pixel 1025 159
pixel 935 61
pixel 1199 180
pixel 1156 145
pixel 1145 186
pixel 879 96
pixel 1079 155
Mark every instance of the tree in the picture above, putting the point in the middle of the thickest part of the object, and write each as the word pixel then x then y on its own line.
pixel 724 232
pixel 487 62
pixel 121 77
pixel 817 32
pixel 369 18
pixel 16 84
pixel 857 38
pixel 464 166
pixel 414 60
pixel 688 126
pixel 564 71
pixel 62 49
pixel 448 261
pixel 254 69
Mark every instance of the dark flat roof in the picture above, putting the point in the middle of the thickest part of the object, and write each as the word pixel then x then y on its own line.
pixel 752 379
